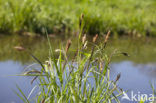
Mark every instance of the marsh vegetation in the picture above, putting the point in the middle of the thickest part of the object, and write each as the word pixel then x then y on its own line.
pixel 131 17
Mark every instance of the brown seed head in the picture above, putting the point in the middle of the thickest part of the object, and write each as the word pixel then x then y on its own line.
pixel 43 101
pixel 33 79
pixel 118 77
pixel 107 36
pixel 84 38
pixel 68 45
pixel 32 72
pixel 94 38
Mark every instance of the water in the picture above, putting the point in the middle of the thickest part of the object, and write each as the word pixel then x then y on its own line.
pixel 135 78
pixel 136 71
pixel 8 82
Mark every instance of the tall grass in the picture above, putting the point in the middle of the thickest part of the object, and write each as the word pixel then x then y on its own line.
pixel 85 78
pixel 136 17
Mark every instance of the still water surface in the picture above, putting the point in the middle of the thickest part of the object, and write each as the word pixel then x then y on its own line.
pixel 137 71
pixel 8 82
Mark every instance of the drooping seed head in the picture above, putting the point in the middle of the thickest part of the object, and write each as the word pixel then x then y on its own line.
pixel 32 72
pixel 118 77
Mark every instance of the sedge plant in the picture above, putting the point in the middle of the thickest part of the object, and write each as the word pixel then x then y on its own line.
pixel 83 79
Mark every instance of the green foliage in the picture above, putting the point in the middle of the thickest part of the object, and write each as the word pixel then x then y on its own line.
pixel 85 78
pixel 135 17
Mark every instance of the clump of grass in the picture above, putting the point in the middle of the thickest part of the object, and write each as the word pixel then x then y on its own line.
pixel 86 78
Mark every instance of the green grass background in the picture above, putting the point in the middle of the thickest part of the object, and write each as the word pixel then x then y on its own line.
pixel 133 17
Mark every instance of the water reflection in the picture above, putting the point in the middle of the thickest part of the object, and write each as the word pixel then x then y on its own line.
pixel 149 69
pixel 140 50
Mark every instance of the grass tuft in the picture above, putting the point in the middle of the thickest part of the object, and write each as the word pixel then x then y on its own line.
pixel 84 79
